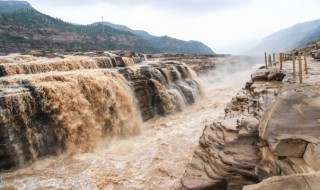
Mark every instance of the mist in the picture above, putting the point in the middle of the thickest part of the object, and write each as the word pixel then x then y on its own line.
pixel 229 70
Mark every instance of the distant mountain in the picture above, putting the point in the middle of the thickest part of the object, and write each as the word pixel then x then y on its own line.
pixel 141 33
pixel 290 38
pixel 11 6
pixel 166 44
pixel 23 28
pixel 28 29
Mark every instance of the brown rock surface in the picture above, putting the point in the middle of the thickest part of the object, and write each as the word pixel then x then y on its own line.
pixel 312 156
pixel 293 182
pixel 228 153
pixel 287 143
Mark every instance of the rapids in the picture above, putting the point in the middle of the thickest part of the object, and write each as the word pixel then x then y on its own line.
pixel 154 159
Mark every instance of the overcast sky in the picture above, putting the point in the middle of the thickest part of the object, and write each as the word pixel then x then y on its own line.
pixel 227 26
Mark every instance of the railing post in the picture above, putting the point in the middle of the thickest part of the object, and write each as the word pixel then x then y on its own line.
pixel 294 65
pixel 281 57
pixel 274 59
pixel 265 59
pixel 305 63
pixel 300 68
pixel 270 64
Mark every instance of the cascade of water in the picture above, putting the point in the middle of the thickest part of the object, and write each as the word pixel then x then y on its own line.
pixel 76 110
pixel 9 69
pixel 52 109
pixel 128 61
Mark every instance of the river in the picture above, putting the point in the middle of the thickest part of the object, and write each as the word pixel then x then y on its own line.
pixel 155 159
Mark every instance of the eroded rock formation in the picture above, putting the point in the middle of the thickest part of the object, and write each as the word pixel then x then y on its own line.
pixel 270 129
pixel 228 153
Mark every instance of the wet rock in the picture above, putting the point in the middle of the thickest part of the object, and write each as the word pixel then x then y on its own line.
pixel 162 88
pixel 260 75
pixel 276 74
pixel 269 74
pixel 248 84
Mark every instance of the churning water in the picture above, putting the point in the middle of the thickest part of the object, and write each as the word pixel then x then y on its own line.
pixel 154 159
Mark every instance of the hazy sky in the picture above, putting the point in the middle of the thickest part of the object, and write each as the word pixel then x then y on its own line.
pixel 227 26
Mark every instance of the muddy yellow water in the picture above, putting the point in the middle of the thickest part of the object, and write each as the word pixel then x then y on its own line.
pixel 154 159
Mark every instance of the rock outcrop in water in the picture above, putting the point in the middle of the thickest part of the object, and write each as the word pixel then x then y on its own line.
pixel 270 129
pixel 72 103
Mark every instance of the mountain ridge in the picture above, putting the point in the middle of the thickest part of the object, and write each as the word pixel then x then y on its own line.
pixel 290 38
pixel 10 5
pixel 165 43
pixel 23 28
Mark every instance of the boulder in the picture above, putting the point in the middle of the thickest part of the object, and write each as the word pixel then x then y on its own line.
pixel 317 54
pixel 269 74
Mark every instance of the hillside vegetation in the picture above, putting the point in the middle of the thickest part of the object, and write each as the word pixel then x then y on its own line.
pixel 165 43
pixel 23 28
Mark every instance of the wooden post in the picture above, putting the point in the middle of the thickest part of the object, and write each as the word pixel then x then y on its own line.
pixel 274 59
pixel 300 68
pixel 270 63
pixel 294 65
pixel 280 60
pixel 305 63
pixel 265 59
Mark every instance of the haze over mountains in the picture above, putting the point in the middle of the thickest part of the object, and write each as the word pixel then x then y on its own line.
pixel 290 38
pixel 22 28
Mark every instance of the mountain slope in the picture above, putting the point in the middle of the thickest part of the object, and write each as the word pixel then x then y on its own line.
pixel 290 38
pixel 165 43
pixel 23 28
pixel 29 29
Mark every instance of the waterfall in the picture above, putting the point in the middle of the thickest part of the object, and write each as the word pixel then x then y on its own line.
pixel 70 111
pixel 71 104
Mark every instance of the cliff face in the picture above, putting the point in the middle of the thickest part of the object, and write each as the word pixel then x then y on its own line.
pixel 270 129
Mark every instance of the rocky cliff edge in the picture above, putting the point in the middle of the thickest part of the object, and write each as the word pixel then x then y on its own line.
pixel 271 128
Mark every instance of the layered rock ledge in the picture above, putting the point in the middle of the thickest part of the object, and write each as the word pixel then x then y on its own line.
pixel 271 128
